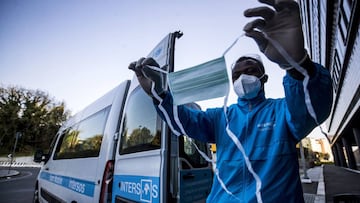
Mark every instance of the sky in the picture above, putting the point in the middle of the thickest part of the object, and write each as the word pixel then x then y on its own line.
pixel 77 50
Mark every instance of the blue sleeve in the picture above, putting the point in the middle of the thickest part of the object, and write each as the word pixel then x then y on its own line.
pixel 319 86
pixel 181 119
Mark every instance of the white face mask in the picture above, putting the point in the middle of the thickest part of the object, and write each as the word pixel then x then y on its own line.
pixel 247 86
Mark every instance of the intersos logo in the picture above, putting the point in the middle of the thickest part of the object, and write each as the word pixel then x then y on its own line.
pixel 266 126
pixel 145 190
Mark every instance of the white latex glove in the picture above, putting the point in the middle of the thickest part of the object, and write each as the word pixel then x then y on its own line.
pixel 282 24
pixel 146 75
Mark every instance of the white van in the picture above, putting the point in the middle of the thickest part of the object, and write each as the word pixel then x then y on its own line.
pixel 119 150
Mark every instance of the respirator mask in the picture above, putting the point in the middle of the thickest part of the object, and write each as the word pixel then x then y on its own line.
pixel 247 86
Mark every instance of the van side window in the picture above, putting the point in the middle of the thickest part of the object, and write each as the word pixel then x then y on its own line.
pixel 141 126
pixel 52 144
pixel 84 138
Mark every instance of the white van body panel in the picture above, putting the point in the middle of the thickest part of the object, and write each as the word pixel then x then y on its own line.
pixel 79 179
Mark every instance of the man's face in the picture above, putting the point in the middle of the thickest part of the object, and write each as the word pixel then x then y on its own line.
pixel 247 66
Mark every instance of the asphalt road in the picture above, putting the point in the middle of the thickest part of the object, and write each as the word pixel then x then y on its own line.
pixel 20 188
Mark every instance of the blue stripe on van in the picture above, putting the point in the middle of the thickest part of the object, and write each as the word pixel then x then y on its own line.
pixel 80 186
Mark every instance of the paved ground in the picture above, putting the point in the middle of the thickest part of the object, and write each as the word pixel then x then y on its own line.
pixel 19 188
pixel 339 180
pixel 313 185
pixel 8 173
pixel 18 162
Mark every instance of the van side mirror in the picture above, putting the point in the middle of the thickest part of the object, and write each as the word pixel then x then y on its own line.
pixel 38 156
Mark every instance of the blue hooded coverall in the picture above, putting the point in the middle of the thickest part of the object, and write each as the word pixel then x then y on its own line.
pixel 268 129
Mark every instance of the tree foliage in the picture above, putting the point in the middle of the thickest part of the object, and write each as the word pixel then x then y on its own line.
pixel 33 113
pixel 140 135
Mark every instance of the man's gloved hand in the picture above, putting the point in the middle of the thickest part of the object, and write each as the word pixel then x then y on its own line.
pixel 283 25
pixel 146 75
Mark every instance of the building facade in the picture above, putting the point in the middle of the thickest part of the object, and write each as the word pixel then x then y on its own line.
pixel 331 30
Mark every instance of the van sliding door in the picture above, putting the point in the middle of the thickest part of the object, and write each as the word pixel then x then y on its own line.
pixel 141 172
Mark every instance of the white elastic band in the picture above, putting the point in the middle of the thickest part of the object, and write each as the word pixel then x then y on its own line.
pixel 238 144
pixel 247 161
pixel 242 150
pixel 303 71
pixel 231 46
pixel 161 70
pixel 167 118
pixel 229 132
pixel 223 185
pixel 178 122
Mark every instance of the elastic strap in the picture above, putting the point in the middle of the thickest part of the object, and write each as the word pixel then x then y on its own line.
pixel 229 133
pixel 303 71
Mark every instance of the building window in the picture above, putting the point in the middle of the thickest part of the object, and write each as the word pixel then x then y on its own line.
pixel 344 18
pixel 336 71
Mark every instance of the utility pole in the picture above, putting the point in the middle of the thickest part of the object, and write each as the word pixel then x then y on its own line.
pixel 305 178
pixel 17 136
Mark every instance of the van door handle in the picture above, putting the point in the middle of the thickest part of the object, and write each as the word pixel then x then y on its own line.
pixel 46 169
pixel 188 176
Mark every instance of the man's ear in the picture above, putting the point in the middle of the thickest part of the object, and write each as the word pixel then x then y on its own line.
pixel 264 79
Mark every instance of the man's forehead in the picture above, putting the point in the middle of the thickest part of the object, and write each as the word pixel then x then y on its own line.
pixel 246 60
pixel 253 56
pixel 248 63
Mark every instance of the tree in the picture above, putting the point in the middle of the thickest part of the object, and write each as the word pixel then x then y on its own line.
pixel 10 105
pixel 139 135
pixel 31 112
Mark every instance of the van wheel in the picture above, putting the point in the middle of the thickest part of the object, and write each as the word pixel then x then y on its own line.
pixel 36 194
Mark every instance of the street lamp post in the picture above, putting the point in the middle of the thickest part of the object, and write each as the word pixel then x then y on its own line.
pixel 17 136
pixel 305 177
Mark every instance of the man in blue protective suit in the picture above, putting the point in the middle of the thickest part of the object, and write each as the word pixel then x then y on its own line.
pixel 268 129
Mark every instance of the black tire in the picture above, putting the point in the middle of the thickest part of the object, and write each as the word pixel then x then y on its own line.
pixel 36 194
